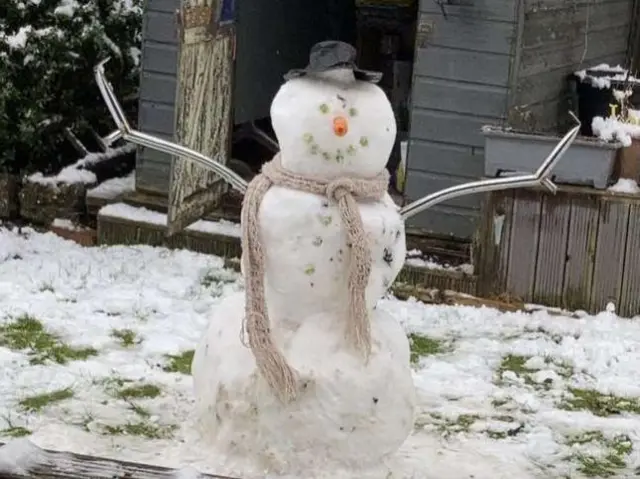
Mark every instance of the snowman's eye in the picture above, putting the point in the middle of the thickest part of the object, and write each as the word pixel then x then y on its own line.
pixel 324 108
pixel 353 112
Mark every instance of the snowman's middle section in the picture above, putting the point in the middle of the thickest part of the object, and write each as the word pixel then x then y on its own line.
pixel 308 256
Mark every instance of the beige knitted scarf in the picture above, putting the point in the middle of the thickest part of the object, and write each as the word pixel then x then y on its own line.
pixel 343 192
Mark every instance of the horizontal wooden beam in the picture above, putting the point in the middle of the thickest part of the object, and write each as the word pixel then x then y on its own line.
pixel 37 463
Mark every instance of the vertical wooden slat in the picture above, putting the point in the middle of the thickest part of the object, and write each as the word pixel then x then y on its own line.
pixel 552 251
pixel 491 254
pixel 581 244
pixel 504 238
pixel 630 297
pixel 524 244
pixel 613 218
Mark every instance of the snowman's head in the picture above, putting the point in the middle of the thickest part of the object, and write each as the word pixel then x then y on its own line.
pixel 330 125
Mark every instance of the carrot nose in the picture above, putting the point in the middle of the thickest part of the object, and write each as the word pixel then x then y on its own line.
pixel 340 126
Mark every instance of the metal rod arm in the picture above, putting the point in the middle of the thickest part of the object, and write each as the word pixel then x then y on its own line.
pixel 539 178
pixel 149 141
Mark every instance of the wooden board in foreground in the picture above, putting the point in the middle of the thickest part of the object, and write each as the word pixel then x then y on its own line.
pixel 39 463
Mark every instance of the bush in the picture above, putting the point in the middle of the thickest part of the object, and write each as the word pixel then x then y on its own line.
pixel 48 49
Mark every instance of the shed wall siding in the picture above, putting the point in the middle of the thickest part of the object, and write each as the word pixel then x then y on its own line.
pixel 558 38
pixel 157 92
pixel 461 79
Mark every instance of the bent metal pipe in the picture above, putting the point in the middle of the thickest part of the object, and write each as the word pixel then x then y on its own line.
pixel 537 179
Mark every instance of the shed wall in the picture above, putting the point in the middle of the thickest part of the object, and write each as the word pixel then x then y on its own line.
pixel 461 80
pixel 157 92
pixel 558 38
pixel 493 61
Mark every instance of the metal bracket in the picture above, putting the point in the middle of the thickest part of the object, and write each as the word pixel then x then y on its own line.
pixel 539 178
pixel 142 139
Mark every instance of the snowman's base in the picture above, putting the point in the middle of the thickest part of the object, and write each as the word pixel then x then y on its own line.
pixel 349 419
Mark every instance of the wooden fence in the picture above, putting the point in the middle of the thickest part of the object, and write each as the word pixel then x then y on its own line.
pixel 578 249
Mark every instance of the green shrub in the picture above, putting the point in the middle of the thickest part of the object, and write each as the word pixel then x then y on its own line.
pixel 48 49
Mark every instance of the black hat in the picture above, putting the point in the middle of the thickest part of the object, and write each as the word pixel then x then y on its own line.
pixel 331 55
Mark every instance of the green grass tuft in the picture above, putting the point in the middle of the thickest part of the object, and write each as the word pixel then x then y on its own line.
pixel 27 333
pixel 424 346
pixel 599 404
pixel 143 429
pixel 40 401
pixel 609 464
pixel 127 337
pixel 142 391
pixel 179 363
pixel 16 431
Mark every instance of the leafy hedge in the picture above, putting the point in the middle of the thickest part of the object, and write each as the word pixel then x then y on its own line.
pixel 48 49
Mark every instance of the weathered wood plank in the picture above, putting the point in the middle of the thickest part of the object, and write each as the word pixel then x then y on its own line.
pixel 203 111
pixel 471 98
pixel 37 463
pixel 460 65
pixel 552 251
pixel 569 24
pixel 613 218
pixel 581 246
pixel 630 297
pixel 467 34
pixel 448 127
pixel 421 183
pixel 523 246
pixel 473 9
pixel 503 229
pixel 491 251
pixel 426 156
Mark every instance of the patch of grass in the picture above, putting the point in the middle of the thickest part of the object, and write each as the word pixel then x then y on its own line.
pixel 127 337
pixel 607 465
pixel 142 391
pixel 599 404
pixel 516 364
pixel 424 346
pixel 27 333
pixel 142 428
pixel 15 431
pixel 447 426
pixel 40 401
pixel 179 363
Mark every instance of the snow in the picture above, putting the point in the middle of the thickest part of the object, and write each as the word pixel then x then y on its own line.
pixel 144 215
pixel 17 456
pixel 114 187
pixel 602 82
pixel 626 185
pixel 514 427
pixel 417 258
pixel 66 224
pixel 76 173
pixel 612 129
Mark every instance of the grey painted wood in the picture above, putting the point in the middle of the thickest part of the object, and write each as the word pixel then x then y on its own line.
pixel 157 117
pixel 160 58
pixel 460 83
pixel 422 183
pixel 443 220
pixel 161 27
pixel 470 98
pixel 157 87
pixel 447 158
pixel 613 218
pixel 459 65
pixel 474 9
pixel 469 34
pixel 447 127
pixel 630 299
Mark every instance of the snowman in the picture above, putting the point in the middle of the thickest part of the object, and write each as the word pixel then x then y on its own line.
pixel 300 375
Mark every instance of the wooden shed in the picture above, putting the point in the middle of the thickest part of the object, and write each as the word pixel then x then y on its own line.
pixel 451 66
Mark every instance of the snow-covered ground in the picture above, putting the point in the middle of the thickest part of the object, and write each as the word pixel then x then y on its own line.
pixel 96 345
